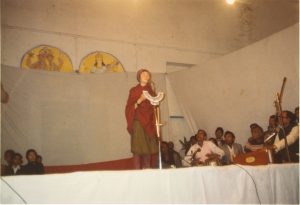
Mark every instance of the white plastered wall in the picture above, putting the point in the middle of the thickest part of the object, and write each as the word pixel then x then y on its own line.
pixel 238 89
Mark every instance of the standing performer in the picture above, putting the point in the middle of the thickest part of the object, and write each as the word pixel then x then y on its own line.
pixel 141 122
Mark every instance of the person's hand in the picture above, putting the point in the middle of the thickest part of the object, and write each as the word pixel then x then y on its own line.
pixel 212 156
pixel 269 147
pixel 141 99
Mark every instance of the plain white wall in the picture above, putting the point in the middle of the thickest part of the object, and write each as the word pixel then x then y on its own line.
pixel 238 89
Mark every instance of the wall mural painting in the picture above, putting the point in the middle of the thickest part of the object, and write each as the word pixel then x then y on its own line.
pixel 100 62
pixel 47 58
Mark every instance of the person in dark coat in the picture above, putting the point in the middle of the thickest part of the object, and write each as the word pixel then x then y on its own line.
pixel 32 167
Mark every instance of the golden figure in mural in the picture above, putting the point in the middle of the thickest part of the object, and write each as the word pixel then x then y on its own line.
pixel 47 58
pixel 100 62
pixel 99 65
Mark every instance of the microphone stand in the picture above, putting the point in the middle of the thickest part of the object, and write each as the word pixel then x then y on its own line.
pixel 155 100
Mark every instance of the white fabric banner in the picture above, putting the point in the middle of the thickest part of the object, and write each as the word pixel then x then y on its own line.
pixel 271 184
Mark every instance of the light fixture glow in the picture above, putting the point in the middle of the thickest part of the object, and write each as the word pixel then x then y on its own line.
pixel 230 2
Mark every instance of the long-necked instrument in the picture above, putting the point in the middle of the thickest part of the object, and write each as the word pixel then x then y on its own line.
pixel 278 106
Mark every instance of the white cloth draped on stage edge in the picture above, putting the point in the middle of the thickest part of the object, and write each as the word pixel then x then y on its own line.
pixel 69 118
pixel 273 184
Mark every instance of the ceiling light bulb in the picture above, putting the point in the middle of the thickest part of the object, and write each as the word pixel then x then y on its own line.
pixel 230 2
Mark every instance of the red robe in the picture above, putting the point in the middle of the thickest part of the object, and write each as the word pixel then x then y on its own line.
pixel 144 113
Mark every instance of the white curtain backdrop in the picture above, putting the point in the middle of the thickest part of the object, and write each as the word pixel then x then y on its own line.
pixel 69 118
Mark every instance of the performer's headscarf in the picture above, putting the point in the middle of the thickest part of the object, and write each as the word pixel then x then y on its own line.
pixel 138 74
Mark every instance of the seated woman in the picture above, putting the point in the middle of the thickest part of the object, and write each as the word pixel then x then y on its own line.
pixel 230 148
pixel 256 141
pixel 203 151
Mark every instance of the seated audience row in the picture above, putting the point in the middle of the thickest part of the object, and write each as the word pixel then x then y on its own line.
pixel 14 163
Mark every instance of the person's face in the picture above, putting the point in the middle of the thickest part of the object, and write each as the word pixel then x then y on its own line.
pixel 229 139
pixel 272 122
pixel 41 57
pixel 297 113
pixel 219 134
pixel 285 119
pixel 193 141
pixel 39 159
pixel 99 59
pixel 50 57
pixel 171 145
pixel 164 147
pixel 145 77
pixel 17 160
pixel 8 157
pixel 201 136
pixel 31 157
pixel 256 133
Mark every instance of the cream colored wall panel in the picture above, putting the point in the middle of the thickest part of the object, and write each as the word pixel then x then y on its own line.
pixel 210 26
pixel 238 89
pixel 126 53
pixel 17 42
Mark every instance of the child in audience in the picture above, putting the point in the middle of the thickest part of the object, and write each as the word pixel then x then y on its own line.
pixel 32 167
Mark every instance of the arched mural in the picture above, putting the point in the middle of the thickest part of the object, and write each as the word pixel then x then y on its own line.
pixel 100 62
pixel 47 58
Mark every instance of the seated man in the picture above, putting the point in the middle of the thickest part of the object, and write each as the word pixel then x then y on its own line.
pixel 203 151
pixel 8 157
pixel 231 148
pixel 297 114
pixel 169 157
pixel 291 131
pixel 273 123
pixel 16 167
pixel 256 141
pixel 174 154
pixel 271 131
pixel 219 136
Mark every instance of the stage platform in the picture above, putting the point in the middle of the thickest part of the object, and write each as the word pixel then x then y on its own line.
pixel 270 184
